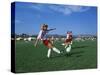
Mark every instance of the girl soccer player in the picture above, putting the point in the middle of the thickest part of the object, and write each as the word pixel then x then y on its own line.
pixel 68 41
pixel 43 36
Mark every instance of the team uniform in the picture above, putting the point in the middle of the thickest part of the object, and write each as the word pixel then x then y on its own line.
pixel 69 38
pixel 43 36
pixel 69 42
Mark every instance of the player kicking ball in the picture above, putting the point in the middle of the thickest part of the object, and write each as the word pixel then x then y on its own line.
pixel 68 42
pixel 43 36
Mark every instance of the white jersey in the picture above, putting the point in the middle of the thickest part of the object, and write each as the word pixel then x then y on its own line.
pixel 67 36
pixel 42 35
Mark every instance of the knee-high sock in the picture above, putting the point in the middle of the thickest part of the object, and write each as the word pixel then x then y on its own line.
pixel 49 52
pixel 56 50
pixel 68 49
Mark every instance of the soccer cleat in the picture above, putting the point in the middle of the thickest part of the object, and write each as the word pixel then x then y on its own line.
pixel 62 44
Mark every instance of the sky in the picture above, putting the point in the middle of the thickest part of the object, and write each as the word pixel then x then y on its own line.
pixel 75 18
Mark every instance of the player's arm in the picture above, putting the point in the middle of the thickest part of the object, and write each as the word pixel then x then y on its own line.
pixel 51 29
pixel 36 42
pixel 38 38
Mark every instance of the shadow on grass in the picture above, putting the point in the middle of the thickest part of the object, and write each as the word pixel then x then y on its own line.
pixel 71 54
pixel 79 47
pixel 75 53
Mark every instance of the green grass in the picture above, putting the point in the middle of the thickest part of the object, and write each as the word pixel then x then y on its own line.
pixel 33 59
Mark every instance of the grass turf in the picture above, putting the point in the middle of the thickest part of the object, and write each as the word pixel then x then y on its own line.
pixel 33 59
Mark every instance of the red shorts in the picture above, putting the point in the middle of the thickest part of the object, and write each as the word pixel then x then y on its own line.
pixel 46 42
pixel 68 40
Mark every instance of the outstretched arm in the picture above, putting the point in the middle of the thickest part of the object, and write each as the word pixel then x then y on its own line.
pixel 51 29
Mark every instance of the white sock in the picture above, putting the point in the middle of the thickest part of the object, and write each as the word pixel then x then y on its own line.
pixel 68 49
pixel 49 52
pixel 56 50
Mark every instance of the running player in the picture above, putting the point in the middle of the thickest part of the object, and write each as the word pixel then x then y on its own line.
pixel 43 36
pixel 68 41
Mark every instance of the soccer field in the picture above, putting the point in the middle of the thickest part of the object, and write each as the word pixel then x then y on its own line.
pixel 33 59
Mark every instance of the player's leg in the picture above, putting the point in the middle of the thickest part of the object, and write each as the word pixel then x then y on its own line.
pixel 66 45
pixel 45 42
pixel 68 49
pixel 49 52
pixel 48 44
pixel 53 48
pixel 71 42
